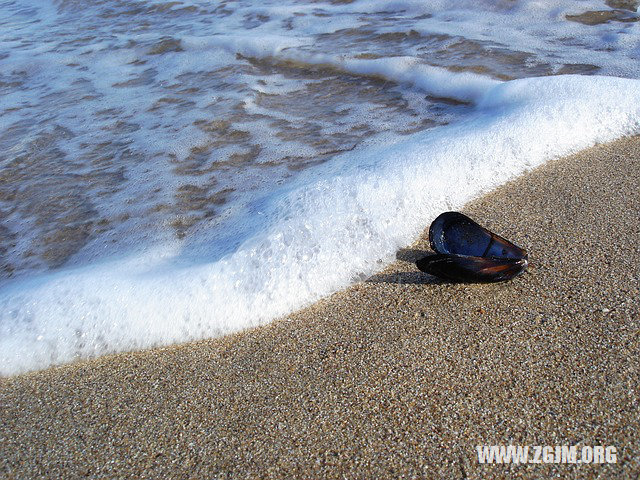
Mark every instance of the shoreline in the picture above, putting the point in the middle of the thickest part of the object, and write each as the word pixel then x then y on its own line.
pixel 399 375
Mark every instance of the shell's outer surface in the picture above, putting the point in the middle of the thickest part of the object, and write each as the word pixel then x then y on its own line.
pixel 468 252
pixel 465 268
pixel 455 233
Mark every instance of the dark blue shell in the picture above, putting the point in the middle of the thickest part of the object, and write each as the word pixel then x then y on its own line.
pixel 457 234
pixel 468 252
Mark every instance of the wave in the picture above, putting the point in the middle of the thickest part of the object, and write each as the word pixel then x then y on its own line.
pixel 334 224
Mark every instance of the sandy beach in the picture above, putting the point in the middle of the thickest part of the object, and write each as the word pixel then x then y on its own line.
pixel 400 376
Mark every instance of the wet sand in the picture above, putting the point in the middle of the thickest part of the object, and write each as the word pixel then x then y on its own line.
pixel 400 376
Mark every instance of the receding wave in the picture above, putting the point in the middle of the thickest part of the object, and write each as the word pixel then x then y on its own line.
pixel 216 166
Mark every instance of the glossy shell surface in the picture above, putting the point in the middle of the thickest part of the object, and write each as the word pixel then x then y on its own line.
pixel 455 233
pixel 464 268
pixel 468 252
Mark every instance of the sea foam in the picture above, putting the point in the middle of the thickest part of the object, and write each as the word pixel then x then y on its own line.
pixel 98 112
pixel 333 224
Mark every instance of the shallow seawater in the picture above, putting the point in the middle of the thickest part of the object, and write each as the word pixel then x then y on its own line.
pixel 146 145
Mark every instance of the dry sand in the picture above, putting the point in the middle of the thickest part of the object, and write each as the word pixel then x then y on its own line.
pixel 397 377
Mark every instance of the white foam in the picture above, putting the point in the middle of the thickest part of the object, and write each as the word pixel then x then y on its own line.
pixel 337 222
pixel 268 251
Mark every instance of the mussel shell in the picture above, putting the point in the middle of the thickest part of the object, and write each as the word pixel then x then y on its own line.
pixel 455 233
pixel 465 268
